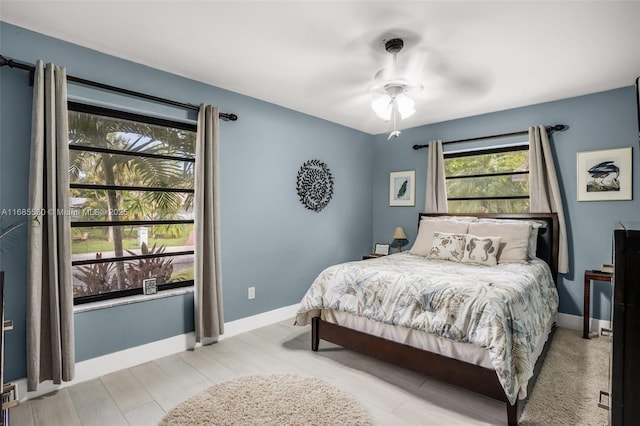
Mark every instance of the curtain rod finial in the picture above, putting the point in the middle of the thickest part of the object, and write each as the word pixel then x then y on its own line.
pixel 228 117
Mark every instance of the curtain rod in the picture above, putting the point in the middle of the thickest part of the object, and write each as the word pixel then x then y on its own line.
pixel 503 135
pixel 13 64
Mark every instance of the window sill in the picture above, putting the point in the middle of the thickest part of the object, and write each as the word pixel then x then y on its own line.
pixel 104 304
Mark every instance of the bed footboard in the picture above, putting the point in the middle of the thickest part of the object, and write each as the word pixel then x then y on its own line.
pixel 475 378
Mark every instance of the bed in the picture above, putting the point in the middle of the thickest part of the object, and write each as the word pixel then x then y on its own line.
pixel 465 305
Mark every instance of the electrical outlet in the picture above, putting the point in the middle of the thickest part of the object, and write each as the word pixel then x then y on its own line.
pixel 149 286
pixel 251 294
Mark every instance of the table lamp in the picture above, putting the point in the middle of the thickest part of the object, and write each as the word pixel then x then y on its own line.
pixel 399 238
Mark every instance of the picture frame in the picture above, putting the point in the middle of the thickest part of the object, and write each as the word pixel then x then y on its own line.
pixel 402 188
pixel 605 175
pixel 381 249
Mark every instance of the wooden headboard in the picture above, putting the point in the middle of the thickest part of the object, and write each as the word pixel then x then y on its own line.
pixel 547 235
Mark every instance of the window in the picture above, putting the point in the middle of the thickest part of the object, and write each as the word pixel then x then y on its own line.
pixel 131 202
pixel 488 181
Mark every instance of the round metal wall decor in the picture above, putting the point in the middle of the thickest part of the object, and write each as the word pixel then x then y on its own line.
pixel 315 185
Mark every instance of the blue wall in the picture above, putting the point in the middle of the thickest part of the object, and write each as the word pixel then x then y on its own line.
pixel 598 121
pixel 269 239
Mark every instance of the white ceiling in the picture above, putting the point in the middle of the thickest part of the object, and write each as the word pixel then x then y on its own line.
pixel 320 57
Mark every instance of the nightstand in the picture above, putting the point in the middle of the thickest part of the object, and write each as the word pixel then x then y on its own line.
pixel 371 256
pixel 590 275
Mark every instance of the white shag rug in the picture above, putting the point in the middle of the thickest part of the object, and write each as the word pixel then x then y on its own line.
pixel 270 399
pixel 572 376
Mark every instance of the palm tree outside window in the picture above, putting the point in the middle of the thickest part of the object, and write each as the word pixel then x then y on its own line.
pixel 131 202
pixel 492 180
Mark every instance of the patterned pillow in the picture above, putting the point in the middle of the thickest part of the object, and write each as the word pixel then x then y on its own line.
pixel 514 243
pixel 446 246
pixel 428 227
pixel 535 225
pixel 481 250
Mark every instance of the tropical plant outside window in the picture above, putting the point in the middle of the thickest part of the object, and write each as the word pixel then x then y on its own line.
pixel 131 202
pixel 488 181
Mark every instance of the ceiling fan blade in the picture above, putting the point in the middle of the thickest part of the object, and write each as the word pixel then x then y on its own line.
pixel 476 84
pixel 458 75
pixel 408 66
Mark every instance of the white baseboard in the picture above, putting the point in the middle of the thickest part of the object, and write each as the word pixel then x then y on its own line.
pixel 256 321
pixel 96 367
pixel 574 322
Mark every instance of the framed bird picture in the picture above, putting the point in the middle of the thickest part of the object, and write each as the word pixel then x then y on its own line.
pixel 402 188
pixel 605 175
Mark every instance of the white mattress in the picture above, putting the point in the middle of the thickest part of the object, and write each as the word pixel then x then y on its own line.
pixel 466 352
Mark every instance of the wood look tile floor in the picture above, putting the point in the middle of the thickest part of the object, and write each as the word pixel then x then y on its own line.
pixel 143 394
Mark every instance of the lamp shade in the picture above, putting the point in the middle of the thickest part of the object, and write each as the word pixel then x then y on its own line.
pixel 405 106
pixel 383 106
pixel 399 234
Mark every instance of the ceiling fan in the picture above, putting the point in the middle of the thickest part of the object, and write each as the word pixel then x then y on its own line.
pixel 391 88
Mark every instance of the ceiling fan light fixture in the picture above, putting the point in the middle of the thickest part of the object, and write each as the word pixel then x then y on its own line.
pixel 392 85
pixel 386 103
pixel 383 106
pixel 405 105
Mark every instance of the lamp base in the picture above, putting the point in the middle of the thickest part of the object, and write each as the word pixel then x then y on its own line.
pixel 399 243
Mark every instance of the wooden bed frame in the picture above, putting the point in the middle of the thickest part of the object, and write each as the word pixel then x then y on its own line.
pixel 469 376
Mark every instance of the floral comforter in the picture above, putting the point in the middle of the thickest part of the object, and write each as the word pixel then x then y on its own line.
pixel 503 308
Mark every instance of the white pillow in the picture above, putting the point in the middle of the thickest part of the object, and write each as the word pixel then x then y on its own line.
pixel 481 250
pixel 533 231
pixel 427 228
pixel 447 246
pixel 514 245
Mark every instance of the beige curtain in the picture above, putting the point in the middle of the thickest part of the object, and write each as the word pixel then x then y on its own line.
pixel 544 190
pixel 50 339
pixel 436 193
pixel 209 322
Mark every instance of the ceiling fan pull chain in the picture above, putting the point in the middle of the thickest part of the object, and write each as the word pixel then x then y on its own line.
pixel 394 112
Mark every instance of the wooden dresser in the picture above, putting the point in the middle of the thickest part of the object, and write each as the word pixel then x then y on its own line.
pixel 625 360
